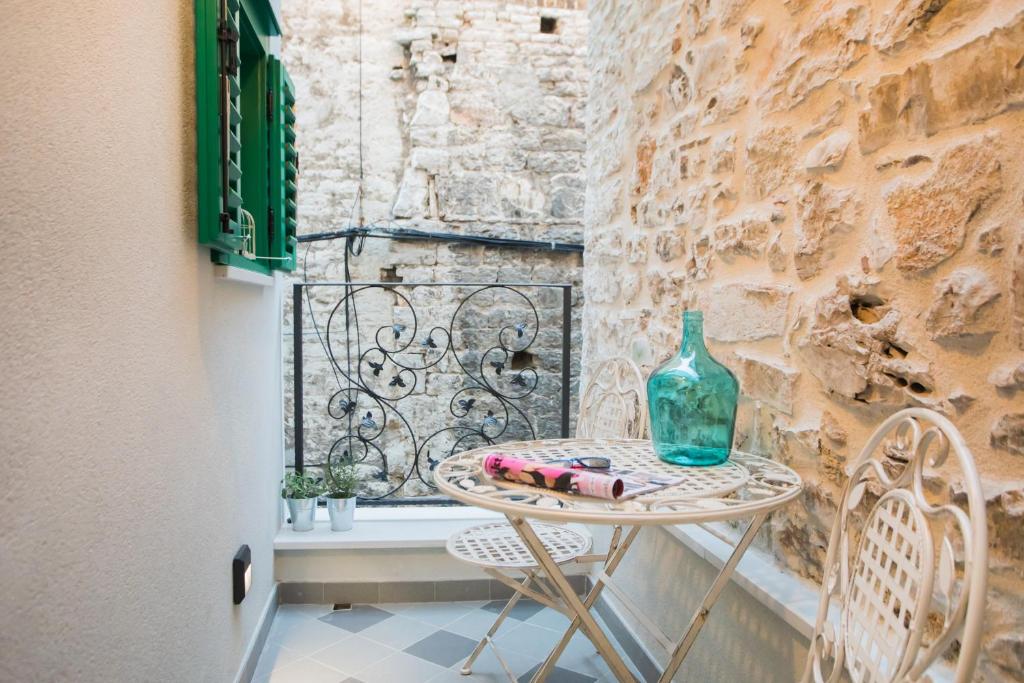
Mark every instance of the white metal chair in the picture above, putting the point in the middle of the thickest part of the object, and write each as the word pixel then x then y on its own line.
pixel 905 573
pixel 613 405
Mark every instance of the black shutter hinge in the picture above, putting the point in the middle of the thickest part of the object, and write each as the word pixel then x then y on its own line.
pixel 225 222
pixel 270 105
pixel 228 38
pixel 270 224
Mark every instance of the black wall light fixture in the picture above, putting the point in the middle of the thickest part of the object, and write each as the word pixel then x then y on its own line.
pixel 241 573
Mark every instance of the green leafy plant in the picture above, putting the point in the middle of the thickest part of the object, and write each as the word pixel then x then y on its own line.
pixel 300 485
pixel 342 480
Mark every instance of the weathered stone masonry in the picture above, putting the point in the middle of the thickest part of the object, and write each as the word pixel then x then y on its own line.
pixel 472 123
pixel 838 184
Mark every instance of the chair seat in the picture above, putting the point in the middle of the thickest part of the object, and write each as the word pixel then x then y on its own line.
pixel 498 545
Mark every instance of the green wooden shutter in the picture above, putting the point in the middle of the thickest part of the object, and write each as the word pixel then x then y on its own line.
pixel 217 125
pixel 284 167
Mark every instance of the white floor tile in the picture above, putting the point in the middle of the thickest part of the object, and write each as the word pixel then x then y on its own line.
pixel 399 667
pixel 302 611
pixel 353 654
pixel 487 665
pixel 436 613
pixel 528 639
pixel 399 632
pixel 305 671
pixel 476 623
pixel 549 618
pixel 307 635
pixel 274 656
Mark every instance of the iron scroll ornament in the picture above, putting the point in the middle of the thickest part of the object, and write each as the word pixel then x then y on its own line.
pixel 375 380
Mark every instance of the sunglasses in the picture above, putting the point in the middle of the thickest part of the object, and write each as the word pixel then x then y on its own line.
pixel 584 463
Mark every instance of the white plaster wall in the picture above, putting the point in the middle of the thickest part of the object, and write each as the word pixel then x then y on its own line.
pixel 140 413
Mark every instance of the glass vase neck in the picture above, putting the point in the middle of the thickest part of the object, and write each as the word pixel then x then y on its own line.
pixel 693 332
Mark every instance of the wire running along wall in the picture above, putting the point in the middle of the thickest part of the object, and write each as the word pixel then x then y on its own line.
pixel 419 372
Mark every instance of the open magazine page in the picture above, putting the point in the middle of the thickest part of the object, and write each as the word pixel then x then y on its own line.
pixel 637 482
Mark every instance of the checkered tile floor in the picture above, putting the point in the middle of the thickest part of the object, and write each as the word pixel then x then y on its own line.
pixel 419 643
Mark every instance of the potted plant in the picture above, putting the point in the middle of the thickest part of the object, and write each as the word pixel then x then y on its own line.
pixel 342 480
pixel 301 490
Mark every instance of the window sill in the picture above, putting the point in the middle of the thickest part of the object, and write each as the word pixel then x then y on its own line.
pixel 385 528
pixel 236 274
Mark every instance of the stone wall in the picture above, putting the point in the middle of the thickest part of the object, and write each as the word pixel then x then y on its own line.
pixel 472 123
pixel 838 185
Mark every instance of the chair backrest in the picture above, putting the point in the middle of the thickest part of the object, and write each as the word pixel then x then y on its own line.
pixel 907 557
pixel 614 403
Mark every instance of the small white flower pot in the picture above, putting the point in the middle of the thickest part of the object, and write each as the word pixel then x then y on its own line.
pixel 302 512
pixel 341 511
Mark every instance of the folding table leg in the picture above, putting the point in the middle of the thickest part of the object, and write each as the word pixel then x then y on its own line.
pixel 701 615
pixel 467 667
pixel 581 609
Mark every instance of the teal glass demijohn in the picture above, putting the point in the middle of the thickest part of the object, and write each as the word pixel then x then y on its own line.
pixel 692 399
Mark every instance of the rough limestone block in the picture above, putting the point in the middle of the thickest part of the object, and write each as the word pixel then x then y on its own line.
pixel 1017 291
pixel 813 55
pixel 745 235
pixel 767 380
pixel 1008 433
pixel 962 306
pixel 825 213
pixel 770 160
pixel 432 109
pixel 929 218
pixel 745 312
pixel 1008 377
pixel 828 154
pixel 968 84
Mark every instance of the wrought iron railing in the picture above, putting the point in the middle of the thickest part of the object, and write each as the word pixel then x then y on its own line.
pixel 394 377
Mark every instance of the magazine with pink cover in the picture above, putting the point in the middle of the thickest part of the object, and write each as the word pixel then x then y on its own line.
pixel 607 483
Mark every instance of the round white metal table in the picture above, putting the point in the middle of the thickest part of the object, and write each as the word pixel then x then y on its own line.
pixel 745 486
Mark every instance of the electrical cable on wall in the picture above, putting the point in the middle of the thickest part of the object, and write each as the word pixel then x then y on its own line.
pixel 392 230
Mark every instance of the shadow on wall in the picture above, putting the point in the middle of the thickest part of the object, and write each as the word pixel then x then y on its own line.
pixel 742 640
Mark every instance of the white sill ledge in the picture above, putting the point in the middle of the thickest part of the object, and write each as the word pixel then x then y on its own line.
pixel 385 528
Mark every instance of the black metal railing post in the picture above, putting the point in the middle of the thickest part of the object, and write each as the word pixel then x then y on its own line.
pixel 566 352
pixel 297 369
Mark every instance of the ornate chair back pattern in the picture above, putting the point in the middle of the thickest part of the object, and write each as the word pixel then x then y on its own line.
pixel 905 573
pixel 614 403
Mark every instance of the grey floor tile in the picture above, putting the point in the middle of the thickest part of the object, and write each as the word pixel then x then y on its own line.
pixel 523 610
pixel 559 675
pixel 356 619
pixel 442 648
